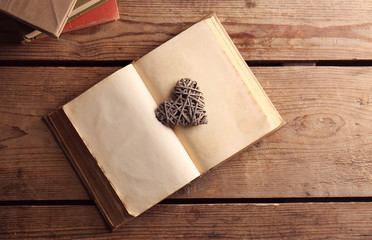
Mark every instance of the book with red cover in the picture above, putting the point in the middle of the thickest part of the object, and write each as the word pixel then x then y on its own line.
pixel 105 13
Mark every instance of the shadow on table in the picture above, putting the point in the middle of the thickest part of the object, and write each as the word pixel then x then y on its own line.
pixel 12 31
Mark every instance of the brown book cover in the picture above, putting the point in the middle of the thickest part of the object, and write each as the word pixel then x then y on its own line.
pixel 127 159
pixel 48 16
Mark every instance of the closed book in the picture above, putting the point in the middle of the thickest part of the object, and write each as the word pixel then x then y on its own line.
pixel 48 16
pixel 126 157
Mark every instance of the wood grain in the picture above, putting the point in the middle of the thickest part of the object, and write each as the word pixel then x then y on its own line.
pixel 262 30
pixel 26 144
pixel 204 221
pixel 323 151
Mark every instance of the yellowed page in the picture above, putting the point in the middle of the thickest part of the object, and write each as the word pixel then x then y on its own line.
pixel 234 118
pixel 244 71
pixel 143 160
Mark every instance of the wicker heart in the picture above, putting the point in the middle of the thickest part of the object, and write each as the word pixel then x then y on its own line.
pixel 185 107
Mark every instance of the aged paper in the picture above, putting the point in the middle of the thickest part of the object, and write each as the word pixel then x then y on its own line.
pixel 235 120
pixel 262 100
pixel 143 160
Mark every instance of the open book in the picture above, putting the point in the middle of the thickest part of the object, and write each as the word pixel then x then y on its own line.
pixel 128 160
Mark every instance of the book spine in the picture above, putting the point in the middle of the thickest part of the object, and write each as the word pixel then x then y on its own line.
pixel 87 169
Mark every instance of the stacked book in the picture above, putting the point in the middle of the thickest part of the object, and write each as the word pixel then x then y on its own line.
pixel 41 19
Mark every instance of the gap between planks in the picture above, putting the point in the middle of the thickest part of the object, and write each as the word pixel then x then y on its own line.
pixel 199 201
pixel 264 63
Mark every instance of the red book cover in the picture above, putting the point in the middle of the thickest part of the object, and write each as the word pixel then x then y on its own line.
pixel 104 13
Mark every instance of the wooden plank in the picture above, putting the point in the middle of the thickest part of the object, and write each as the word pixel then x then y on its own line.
pixel 323 151
pixel 262 30
pixel 32 163
pixel 227 221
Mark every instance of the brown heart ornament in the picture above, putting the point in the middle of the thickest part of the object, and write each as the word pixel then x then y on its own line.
pixel 185 106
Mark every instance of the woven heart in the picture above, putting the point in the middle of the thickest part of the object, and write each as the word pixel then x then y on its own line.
pixel 185 107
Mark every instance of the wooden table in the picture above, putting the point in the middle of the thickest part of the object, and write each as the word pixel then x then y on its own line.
pixel 311 179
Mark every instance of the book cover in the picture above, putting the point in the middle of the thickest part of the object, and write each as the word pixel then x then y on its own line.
pixel 107 12
pixel 83 6
pixel 48 16
pixel 127 159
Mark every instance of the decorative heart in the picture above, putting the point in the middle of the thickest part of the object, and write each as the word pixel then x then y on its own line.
pixel 185 107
